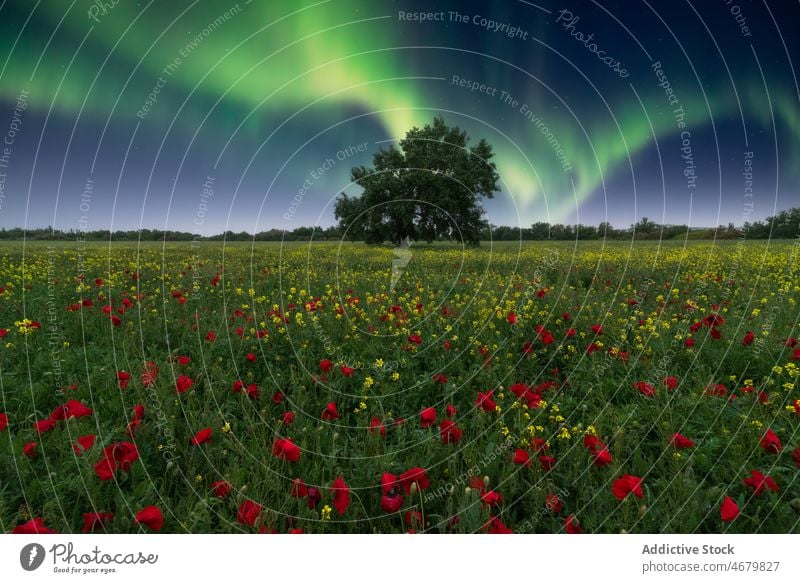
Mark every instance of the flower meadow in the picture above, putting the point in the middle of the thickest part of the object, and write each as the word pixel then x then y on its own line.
pixel 536 388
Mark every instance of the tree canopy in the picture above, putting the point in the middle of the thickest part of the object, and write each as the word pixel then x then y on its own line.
pixel 428 188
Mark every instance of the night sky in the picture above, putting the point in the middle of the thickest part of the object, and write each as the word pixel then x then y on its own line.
pixel 214 115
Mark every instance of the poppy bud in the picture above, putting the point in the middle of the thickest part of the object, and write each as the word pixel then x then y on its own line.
pixel 467 490
pixel 623 531
pixel 413 488
pixel 240 494
pixel 642 510
pixel 486 481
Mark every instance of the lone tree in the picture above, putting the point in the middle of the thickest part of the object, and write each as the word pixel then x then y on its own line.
pixel 427 189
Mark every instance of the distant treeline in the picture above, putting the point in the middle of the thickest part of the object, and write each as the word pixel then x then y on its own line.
pixel 784 225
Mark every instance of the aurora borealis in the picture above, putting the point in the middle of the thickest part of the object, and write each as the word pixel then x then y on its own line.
pixel 212 116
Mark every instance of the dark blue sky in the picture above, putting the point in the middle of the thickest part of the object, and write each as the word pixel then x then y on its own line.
pixel 213 116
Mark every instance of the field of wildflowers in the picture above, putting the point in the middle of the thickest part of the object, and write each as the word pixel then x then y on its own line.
pixel 542 388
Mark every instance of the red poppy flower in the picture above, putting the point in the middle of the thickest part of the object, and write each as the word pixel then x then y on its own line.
pixel 681 442
pixel 376 425
pixel 427 417
pixel 602 457
pixel 83 444
pixel 286 450
pixel 412 476
pixel 713 320
pixel 485 401
pixel 597 329
pixel 477 483
pixel 72 409
pixel 117 456
pixel 288 418
pixel 671 383
pixel 151 517
pixel 758 482
pixel 770 442
pixel 183 384
pixel 592 442
pixel 252 391
pixel 689 342
pixel 553 503
pixel 211 336
pixel 449 432
pixel 123 378
pixel 92 520
pixel 539 444
pixel 511 318
pixel 330 413
pixel 519 389
pixel 221 489
pixel 572 525
pixel 341 495
pixel 325 365
pixel 547 462
pixel 346 370
pixel 391 503
pixel 44 426
pixel 33 526
pixel 248 512
pixel 29 449
pixel 149 373
pixel 415 338
pixel 748 339
pixel 796 456
pixel 3 421
pixel 626 485
pixel 440 378
pixel 728 510
pixel 299 489
pixel 314 497
pixel 521 457
pixel 491 498
pixel 138 412
pixel 496 526
pixel 202 436
pixel 644 388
